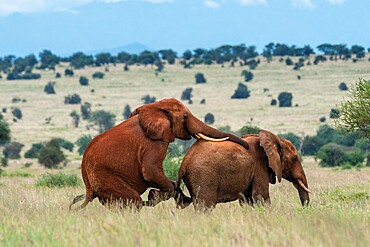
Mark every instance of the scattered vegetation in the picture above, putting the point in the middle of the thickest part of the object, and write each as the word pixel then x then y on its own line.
pixel 58 180
pixel 241 92
pixel 72 99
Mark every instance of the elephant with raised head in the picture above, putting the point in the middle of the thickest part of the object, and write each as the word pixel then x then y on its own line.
pixel 121 163
pixel 223 171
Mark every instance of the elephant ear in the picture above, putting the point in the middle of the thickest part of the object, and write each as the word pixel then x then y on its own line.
pixel 155 122
pixel 270 144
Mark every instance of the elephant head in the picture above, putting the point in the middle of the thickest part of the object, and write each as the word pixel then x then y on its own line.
pixel 285 162
pixel 169 119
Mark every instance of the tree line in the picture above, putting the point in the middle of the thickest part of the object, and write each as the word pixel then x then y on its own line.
pixel 21 67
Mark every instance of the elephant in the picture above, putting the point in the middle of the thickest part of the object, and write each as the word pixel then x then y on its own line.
pixel 216 172
pixel 121 163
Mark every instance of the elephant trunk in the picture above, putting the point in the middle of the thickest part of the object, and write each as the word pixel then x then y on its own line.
pixel 195 126
pixel 303 191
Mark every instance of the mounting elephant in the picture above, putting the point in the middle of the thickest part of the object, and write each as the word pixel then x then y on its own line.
pixel 223 171
pixel 121 163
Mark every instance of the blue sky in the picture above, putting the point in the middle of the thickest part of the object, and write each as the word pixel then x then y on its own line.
pixel 67 26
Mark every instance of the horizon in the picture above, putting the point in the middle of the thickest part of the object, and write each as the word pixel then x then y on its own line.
pixel 66 27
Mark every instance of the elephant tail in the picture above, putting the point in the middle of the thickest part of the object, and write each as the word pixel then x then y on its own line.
pixel 182 201
pixel 89 196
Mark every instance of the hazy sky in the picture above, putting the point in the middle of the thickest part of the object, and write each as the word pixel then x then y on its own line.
pixel 67 26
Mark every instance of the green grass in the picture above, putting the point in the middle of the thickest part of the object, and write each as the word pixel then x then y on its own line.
pixel 58 180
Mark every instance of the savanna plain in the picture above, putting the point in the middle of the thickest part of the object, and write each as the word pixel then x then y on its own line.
pixel 339 211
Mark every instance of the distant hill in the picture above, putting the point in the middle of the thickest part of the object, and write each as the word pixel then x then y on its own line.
pixel 133 48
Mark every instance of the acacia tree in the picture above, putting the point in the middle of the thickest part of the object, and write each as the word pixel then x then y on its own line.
pixel 355 112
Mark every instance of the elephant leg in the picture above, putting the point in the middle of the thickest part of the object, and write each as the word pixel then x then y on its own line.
pixel 204 198
pixel 116 191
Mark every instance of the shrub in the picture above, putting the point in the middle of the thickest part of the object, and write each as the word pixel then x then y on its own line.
pixel 289 61
pixel 337 155
pixel 343 86
pixel 50 156
pixel 248 76
pixel 322 119
pixel 252 64
pixel 75 118
pixel 199 78
pixel 85 110
pixel 126 68
pixel 105 120
pixel 241 92
pixel 68 72
pixel 248 129
pixel 311 144
pixel 126 112
pixel 3 162
pixel 98 75
pixel 17 113
pixel 4 133
pixel 58 75
pixel 58 180
pixel 273 102
pixel 84 81
pixel 171 166
pixel 12 150
pixel 34 151
pixel 147 99
pixel 186 94
pixel 334 113
pixel 209 118
pixel 67 145
pixel 49 88
pixel 72 99
pixel 285 99
pixel 82 143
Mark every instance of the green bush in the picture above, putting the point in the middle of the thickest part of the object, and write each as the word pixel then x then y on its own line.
pixel 4 132
pixel 82 143
pixel 241 92
pixel 337 155
pixel 334 113
pixel 248 129
pixel 12 150
pixel 104 119
pixel 209 118
pixel 285 99
pixel 34 151
pixel 72 99
pixel 186 94
pixel 84 81
pixel 98 75
pixel 67 145
pixel 68 72
pixel 171 167
pixel 248 76
pixel 17 113
pixel 50 156
pixel 16 174
pixel 293 138
pixel 199 78
pixel 58 180
pixel 49 88
pixel 147 99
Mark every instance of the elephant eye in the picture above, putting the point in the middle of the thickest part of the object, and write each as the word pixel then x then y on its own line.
pixel 294 159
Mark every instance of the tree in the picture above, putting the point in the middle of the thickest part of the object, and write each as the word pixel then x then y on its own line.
pixel 355 112
pixel 186 94
pixel 241 92
pixel 85 110
pixel 209 118
pixel 82 143
pixel 83 81
pixel 50 156
pixel 75 118
pixel 12 150
pixel 285 99
pixel 147 99
pixel 17 113
pixel 68 72
pixel 34 151
pixel 72 99
pixel 343 86
pixel 48 60
pixel 4 132
pixel 49 88
pixel 248 76
pixel 126 112
pixel 105 120
pixel 199 78
pixel 98 75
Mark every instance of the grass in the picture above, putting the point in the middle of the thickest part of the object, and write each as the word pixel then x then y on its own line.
pixel 339 215
pixel 32 215
pixel 58 180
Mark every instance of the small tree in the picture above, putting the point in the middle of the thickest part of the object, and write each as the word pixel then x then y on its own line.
pixel 84 81
pixel 343 86
pixel 355 111
pixel 12 150
pixel 289 61
pixel 105 120
pixel 72 99
pixel 49 88
pixel 241 92
pixel 186 94
pixel 82 143
pixel 98 75
pixel 4 132
pixel 68 72
pixel 75 118
pixel 209 118
pixel 248 76
pixel 334 113
pixel 273 102
pixel 199 78
pixel 17 113
pixel 34 151
pixel 126 112
pixel 85 110
pixel 285 99
pixel 50 156
pixel 147 99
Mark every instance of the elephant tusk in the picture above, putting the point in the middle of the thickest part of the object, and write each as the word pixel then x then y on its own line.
pixel 303 186
pixel 201 136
